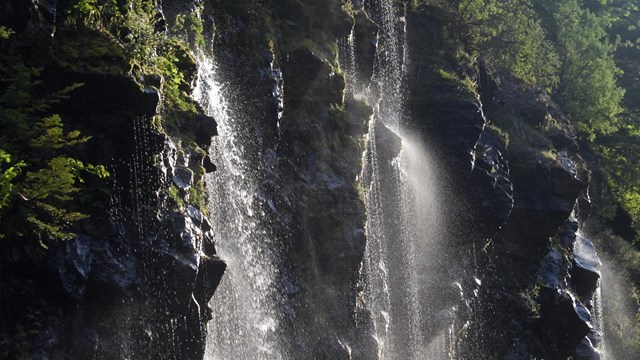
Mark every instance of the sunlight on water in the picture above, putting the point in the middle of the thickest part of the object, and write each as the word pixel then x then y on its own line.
pixel 245 311
pixel 404 232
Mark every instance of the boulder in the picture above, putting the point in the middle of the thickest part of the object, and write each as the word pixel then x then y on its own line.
pixel 563 324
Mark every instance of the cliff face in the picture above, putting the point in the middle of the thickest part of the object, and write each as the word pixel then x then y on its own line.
pixel 522 205
pixel 281 72
pixel 136 280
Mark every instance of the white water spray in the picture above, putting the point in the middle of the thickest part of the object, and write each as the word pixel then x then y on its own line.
pixel 348 63
pixel 403 206
pixel 246 316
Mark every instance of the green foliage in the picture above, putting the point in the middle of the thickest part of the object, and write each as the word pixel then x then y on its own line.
pixel 588 73
pixel 618 154
pixel 509 34
pixel 7 176
pixel 132 26
pixel 5 32
pixel 176 195
pixel 559 46
pixel 569 48
pixel 190 25
pixel 197 196
pixel 476 19
pixel 530 56
pixel 89 51
pixel 40 178
pixel 174 79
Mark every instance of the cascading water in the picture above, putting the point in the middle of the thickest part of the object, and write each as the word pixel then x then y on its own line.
pixel 599 321
pixel 403 206
pixel 400 291
pixel 348 60
pixel 586 257
pixel 245 306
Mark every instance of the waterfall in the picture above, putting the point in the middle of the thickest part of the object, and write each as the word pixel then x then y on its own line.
pixel 619 311
pixel 246 315
pixel 347 58
pixel 403 228
pixel 586 257
pixel 599 320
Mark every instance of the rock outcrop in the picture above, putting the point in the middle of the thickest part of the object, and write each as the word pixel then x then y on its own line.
pixel 136 279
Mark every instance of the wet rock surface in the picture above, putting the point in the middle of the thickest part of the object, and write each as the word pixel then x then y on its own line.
pixel 136 280
pixel 492 180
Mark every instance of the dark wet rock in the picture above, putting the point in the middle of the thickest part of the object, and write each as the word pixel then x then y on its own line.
pixel 205 128
pixel 387 141
pixel 553 270
pixel 75 265
pixel 151 84
pixel 195 214
pixel 366 42
pixel 183 177
pixel 460 131
pixel 208 165
pixel 585 267
pixel 87 261
pixel 491 176
pixel 38 15
pixel 562 139
pixel 586 351
pixel 621 224
pixel 307 64
pixel 567 232
pixel 563 323
pixel 357 115
pixel 488 87
pixel 126 285
pixel 110 93
pixel 544 198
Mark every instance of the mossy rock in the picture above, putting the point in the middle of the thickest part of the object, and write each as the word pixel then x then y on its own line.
pixel 186 64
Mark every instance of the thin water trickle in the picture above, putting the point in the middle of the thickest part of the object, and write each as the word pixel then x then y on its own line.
pixel 599 321
pixel 347 59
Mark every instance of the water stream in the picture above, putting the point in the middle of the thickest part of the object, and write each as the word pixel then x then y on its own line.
pixel 245 306
pixel 403 226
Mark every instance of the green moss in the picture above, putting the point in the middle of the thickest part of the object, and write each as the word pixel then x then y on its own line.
pixel 190 27
pixel 176 195
pixel 198 196
pixel 530 297
pixel 175 63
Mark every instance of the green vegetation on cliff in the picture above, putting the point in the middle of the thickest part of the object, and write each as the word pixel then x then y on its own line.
pixel 40 175
pixel 133 27
pixel 583 55
pixel 581 60
pixel 42 179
